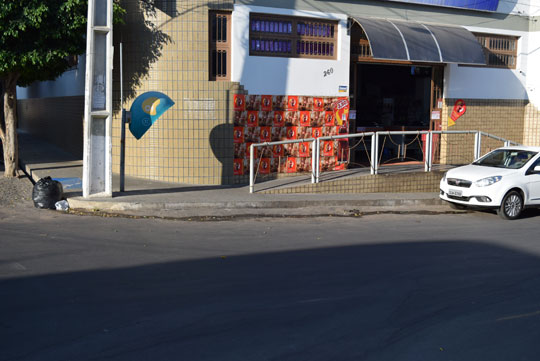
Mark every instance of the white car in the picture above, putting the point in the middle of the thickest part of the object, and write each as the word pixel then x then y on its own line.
pixel 506 179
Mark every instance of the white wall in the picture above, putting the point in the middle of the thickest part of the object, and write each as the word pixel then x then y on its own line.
pixel 288 76
pixel 489 83
pixel 71 83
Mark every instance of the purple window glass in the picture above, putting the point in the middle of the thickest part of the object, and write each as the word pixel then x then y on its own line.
pixel 271 26
pixel 280 27
pixel 319 30
pixel 289 46
pixel 331 49
pixel 252 44
pixel 299 28
pixel 257 25
pixel 276 46
pixel 310 48
pixel 331 31
pixel 267 45
pixel 289 28
pixel 310 30
pixel 302 47
pixel 298 48
pixel 258 45
pixel 303 31
pixel 252 25
pixel 271 45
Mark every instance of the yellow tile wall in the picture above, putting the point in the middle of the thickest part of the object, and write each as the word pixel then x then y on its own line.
pixel 167 51
pixel 502 118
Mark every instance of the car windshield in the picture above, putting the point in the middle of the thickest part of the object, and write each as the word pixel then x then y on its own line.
pixel 506 158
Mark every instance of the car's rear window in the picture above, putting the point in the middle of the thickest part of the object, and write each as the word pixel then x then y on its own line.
pixel 506 158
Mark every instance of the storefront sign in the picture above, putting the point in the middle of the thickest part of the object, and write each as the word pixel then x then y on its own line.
pixel 482 5
pixel 458 111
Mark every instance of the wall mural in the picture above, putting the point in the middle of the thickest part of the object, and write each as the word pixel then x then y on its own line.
pixel 269 118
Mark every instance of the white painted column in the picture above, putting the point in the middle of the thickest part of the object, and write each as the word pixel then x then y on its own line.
pixel 97 153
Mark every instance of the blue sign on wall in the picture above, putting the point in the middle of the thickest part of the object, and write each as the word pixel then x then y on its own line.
pixel 482 5
pixel 145 110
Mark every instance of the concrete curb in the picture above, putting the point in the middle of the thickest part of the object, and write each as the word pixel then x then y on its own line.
pixel 83 204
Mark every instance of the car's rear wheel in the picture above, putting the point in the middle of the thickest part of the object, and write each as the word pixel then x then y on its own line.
pixel 511 206
pixel 457 206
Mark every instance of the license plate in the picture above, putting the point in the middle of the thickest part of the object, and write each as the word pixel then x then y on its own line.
pixel 455 192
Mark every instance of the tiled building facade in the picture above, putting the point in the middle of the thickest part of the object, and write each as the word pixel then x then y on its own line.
pixel 167 48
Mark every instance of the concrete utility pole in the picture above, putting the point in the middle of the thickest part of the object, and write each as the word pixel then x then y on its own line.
pixel 97 156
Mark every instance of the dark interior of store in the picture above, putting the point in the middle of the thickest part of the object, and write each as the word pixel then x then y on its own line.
pixel 396 98
pixel 392 97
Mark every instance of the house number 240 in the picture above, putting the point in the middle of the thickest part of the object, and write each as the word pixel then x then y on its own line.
pixel 328 72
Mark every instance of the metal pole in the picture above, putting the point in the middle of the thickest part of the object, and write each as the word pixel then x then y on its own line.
pixel 313 161
pixel 251 170
pixel 430 154
pixel 477 144
pixel 123 128
pixel 375 153
pixel 317 159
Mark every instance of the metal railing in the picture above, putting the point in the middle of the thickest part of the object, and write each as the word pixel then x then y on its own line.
pixel 426 146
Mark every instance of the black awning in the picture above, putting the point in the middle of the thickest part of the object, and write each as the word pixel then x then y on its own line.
pixel 412 41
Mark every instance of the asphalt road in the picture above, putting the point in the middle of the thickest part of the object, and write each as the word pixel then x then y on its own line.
pixel 383 287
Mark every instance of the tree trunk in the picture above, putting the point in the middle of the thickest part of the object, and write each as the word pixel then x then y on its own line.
pixel 10 143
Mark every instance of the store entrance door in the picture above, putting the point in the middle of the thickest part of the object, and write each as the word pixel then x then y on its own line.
pixel 395 97
pixel 392 97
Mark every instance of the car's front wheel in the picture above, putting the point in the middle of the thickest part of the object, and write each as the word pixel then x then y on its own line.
pixel 511 206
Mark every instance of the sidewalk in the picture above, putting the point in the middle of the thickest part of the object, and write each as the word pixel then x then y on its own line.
pixel 172 200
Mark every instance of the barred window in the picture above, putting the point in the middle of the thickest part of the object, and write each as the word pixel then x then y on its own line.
pixel 292 37
pixel 220 45
pixel 500 50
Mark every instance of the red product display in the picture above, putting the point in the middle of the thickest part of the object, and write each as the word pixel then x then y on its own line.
pixel 291 133
pixel 292 103
pixel 278 150
pixel 265 135
pixel 305 118
pixel 269 118
pixel 238 135
pixel 328 148
pixel 264 166
pixel 329 119
pixel 266 103
pixel 239 102
pixel 279 119
pixel 291 165
pixel 303 150
pixel 238 166
pixel 252 118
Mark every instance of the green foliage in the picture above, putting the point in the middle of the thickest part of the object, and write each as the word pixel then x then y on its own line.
pixel 37 36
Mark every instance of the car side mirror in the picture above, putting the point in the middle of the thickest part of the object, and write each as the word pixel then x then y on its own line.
pixel 536 169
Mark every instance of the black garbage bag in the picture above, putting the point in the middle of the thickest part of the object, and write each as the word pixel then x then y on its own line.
pixel 46 193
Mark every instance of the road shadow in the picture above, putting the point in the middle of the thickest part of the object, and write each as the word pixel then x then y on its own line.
pixel 441 300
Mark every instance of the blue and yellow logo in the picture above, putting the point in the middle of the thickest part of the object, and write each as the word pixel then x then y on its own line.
pixel 145 110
